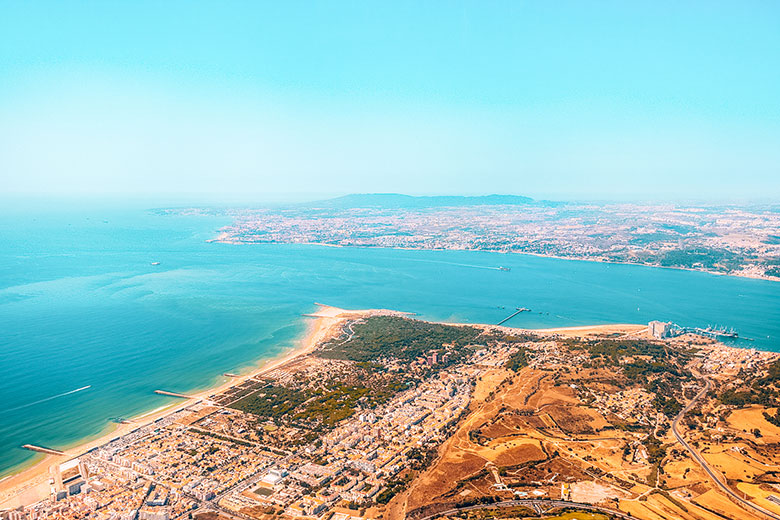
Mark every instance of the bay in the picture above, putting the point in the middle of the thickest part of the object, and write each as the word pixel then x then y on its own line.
pixel 81 304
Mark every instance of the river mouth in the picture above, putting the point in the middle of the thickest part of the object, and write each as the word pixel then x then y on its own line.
pixel 83 306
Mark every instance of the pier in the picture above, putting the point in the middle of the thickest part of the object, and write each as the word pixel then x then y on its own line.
pixel 41 449
pixel 518 310
pixel 710 331
pixel 173 394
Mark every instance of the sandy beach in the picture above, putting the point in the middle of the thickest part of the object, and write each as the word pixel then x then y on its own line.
pixel 588 330
pixel 31 483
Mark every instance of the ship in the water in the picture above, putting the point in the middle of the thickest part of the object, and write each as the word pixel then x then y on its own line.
pixel 502 268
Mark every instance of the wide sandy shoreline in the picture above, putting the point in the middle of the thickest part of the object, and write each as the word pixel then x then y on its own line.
pixel 33 476
pixel 31 482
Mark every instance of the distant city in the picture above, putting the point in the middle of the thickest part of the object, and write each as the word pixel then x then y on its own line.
pixel 545 286
pixel 727 239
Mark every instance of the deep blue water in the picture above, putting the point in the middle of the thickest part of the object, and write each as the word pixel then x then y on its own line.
pixel 81 304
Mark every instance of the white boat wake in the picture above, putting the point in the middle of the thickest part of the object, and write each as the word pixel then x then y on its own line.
pixel 49 398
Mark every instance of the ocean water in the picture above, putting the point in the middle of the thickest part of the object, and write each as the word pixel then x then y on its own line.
pixel 81 305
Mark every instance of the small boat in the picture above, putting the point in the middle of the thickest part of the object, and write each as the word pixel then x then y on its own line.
pixel 502 268
pixel 155 263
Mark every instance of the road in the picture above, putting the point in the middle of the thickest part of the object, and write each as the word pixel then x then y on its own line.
pixel 538 505
pixel 700 460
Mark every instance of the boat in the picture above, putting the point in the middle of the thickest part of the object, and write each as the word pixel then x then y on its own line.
pixel 155 263
pixel 502 268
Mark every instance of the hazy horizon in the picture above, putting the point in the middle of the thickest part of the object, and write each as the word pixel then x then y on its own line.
pixel 59 202
pixel 247 102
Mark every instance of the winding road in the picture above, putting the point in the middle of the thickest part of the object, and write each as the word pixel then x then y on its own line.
pixel 700 460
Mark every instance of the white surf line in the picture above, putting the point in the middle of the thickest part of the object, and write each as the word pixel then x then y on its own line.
pixel 48 398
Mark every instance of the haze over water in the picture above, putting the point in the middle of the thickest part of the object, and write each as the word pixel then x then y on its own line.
pixel 90 328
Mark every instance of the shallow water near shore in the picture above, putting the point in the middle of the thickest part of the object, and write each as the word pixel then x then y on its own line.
pixel 89 327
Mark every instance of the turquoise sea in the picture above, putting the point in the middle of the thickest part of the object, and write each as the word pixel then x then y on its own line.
pixel 81 304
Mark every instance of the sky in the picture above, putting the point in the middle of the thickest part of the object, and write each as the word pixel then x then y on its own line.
pixel 255 101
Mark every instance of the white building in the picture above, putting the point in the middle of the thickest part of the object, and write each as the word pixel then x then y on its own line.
pixel 660 329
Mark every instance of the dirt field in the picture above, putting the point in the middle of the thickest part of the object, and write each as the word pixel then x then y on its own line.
pixel 520 430
pixel 529 433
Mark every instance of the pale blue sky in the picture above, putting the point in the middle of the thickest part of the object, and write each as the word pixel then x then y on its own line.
pixel 252 100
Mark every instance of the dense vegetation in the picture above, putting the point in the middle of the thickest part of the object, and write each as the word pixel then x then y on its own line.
pixel 517 361
pixel 271 401
pixel 394 486
pixel 322 403
pixel 401 338
pixel 614 350
pixel 340 401
pixel 325 406
pixel 669 406
pixel 764 391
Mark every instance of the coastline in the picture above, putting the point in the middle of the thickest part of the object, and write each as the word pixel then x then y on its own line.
pixel 31 477
pixel 31 483
pixel 626 329
pixel 739 274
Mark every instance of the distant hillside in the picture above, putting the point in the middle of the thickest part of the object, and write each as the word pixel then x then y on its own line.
pixel 397 200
